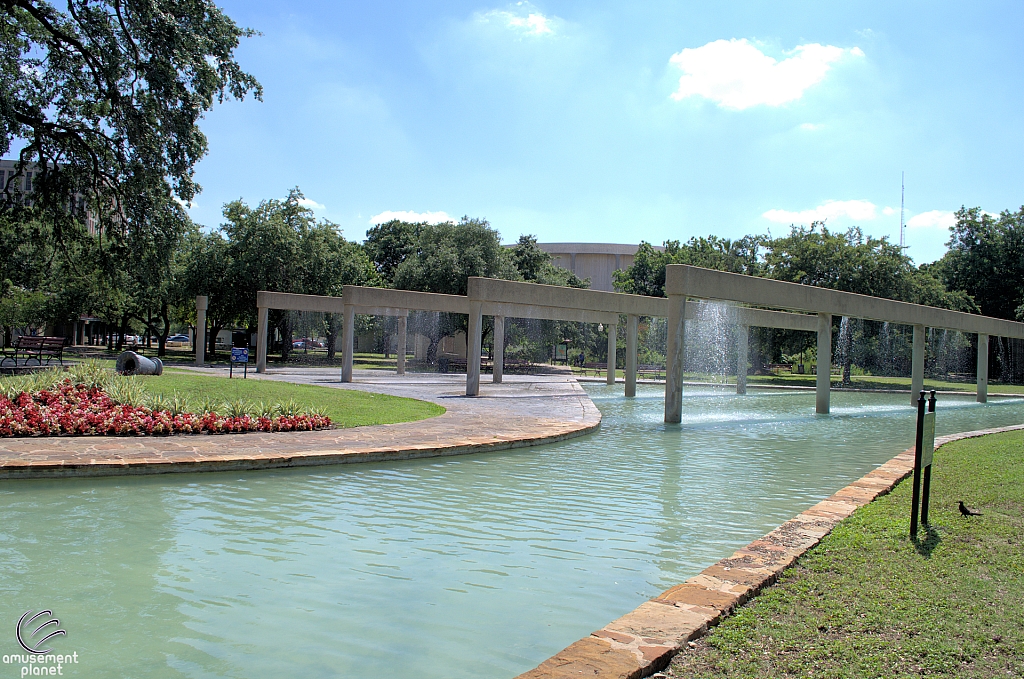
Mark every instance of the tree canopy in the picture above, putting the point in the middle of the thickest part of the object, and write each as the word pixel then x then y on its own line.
pixel 105 98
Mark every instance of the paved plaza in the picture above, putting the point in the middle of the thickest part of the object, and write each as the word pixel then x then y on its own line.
pixel 523 411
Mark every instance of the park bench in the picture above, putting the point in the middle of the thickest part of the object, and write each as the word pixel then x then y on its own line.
pixel 458 365
pixel 597 368
pixel 32 348
pixel 651 372
pixel 780 367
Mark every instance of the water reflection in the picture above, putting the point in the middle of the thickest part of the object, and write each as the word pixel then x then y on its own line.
pixel 475 566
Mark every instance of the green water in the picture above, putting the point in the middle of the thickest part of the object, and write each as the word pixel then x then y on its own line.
pixel 475 566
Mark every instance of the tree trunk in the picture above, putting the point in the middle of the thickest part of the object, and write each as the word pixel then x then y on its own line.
pixel 333 328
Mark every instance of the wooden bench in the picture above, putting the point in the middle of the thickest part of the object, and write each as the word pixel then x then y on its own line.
pixel 598 368
pixel 30 347
pixel 654 372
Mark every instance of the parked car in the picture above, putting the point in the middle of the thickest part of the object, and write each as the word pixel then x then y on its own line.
pixel 178 340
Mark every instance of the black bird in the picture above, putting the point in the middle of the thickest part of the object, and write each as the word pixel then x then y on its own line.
pixel 967 511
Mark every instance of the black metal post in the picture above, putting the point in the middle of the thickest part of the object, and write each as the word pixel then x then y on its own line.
pixel 915 500
pixel 926 490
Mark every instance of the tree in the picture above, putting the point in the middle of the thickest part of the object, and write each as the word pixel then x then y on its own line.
pixel 646 275
pixel 107 96
pixel 388 245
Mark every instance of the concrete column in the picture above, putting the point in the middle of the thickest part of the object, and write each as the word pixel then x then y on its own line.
pixel 613 336
pixel 632 327
pixel 403 325
pixel 674 359
pixel 823 393
pixel 200 339
pixel 572 262
pixel 261 339
pixel 348 341
pixel 917 365
pixel 742 348
pixel 499 350
pixel 982 368
pixel 474 342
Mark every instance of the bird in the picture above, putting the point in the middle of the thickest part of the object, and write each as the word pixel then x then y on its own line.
pixel 967 511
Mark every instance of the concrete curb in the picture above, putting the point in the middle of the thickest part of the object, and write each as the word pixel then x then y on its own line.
pixel 645 640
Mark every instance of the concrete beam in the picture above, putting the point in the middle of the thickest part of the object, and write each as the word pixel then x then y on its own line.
pixel 762 318
pixel 632 330
pixel 613 337
pixel 199 343
pixel 536 312
pixel 384 298
pixel 262 339
pixel 674 359
pixel 348 341
pixel 742 349
pixel 982 368
pixel 499 350
pixel 294 302
pixel 474 345
pixel 514 292
pixel 702 283
pixel 823 383
pixel 917 365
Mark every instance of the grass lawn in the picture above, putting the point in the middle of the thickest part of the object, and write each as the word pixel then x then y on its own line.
pixel 345 407
pixel 868 602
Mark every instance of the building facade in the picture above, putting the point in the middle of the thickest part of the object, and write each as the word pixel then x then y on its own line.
pixel 596 261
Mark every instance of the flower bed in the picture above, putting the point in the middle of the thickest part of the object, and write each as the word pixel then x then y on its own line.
pixel 80 410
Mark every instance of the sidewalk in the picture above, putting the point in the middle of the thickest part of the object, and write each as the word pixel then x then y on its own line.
pixel 524 411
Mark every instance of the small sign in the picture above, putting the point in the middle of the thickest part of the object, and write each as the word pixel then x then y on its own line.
pixel 241 355
pixel 928 440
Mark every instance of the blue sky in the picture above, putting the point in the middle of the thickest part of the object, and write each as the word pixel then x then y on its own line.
pixel 616 122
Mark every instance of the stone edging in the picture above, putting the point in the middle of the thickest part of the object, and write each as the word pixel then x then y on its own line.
pixel 645 640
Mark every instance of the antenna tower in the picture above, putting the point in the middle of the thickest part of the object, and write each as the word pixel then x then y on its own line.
pixel 902 226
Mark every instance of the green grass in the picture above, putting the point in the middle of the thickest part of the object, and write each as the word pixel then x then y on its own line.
pixel 869 602
pixel 345 407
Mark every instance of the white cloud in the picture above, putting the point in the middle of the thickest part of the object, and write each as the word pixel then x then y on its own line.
pixel 409 216
pixel 888 211
pixel 183 204
pixel 932 218
pixel 735 74
pixel 311 204
pixel 811 127
pixel 524 20
pixel 830 209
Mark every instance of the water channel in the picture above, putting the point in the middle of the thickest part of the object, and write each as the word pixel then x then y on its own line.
pixel 475 566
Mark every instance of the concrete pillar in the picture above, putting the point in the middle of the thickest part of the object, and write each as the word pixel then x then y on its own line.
pixel 982 368
pixel 572 262
pixel 403 325
pixel 261 339
pixel 742 348
pixel 917 365
pixel 823 392
pixel 499 350
pixel 200 339
pixel 474 342
pixel 613 336
pixel 632 327
pixel 348 341
pixel 674 359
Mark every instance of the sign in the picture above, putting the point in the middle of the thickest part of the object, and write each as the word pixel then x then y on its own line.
pixel 560 351
pixel 928 440
pixel 239 355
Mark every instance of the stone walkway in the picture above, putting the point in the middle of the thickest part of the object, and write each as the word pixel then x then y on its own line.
pixel 524 411
pixel 644 641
